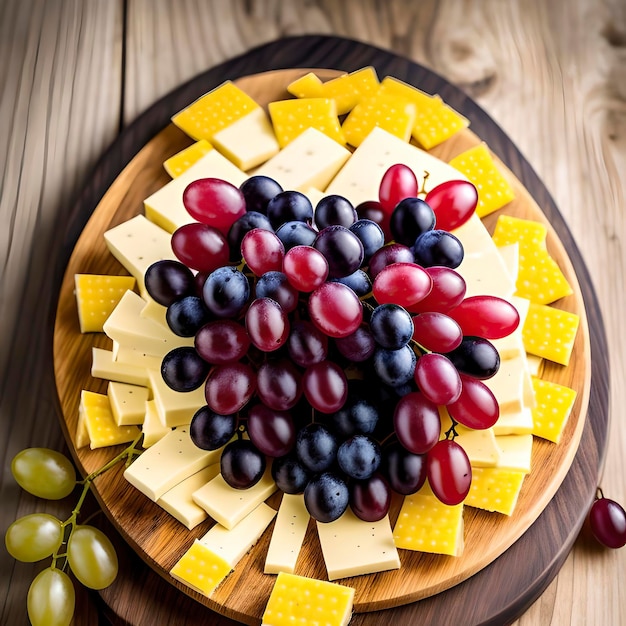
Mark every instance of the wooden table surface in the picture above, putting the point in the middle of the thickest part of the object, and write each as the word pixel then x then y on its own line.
pixel 75 73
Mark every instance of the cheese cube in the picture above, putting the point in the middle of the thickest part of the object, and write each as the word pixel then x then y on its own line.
pixel 152 428
pixel 515 452
pixel 228 505
pixel 550 333
pixel 99 422
pixel 508 385
pixel 307 86
pixel 291 117
pixel 299 600
pixel 82 434
pixel 311 160
pixel 137 244
pixel 352 547
pixel 514 423
pixel 178 501
pixel 495 489
pixel 554 406
pixel 395 115
pixel 214 111
pixel 425 524
pixel 350 89
pixel 165 206
pixel 184 159
pixel 167 463
pixel 200 569
pixel 104 366
pixel 97 296
pixel 232 544
pixel 360 178
pixel 128 403
pixel 249 141
pixel 174 408
pixel 494 191
pixel 291 525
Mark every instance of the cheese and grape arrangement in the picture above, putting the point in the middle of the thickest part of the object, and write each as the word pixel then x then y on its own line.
pixel 325 364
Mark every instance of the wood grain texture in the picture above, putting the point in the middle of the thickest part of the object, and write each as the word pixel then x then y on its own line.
pixel 552 74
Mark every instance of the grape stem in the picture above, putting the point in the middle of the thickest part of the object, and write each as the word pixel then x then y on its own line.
pixel 422 191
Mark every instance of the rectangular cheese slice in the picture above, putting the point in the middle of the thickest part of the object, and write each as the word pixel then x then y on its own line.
pixel 200 569
pixel 232 544
pixel 137 244
pixel 165 207
pixel 154 311
pixel 300 600
pixel 126 355
pixel 128 403
pixel 291 525
pixel 167 463
pixel 310 160
pixel 174 408
pixel 229 506
pixel 103 366
pixel 249 141
pixel 152 428
pixel 360 178
pixel 486 274
pixel 508 385
pixel 515 452
pixel 126 326
pixel 178 501
pixel 352 547
pixel 474 236
pixel 514 423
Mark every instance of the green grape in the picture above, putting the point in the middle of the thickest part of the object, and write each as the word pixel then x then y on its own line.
pixel 92 557
pixel 33 537
pixel 43 472
pixel 51 599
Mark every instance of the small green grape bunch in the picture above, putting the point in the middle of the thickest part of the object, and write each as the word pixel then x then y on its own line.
pixel 83 548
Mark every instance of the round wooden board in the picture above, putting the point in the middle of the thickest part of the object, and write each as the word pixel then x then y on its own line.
pixel 160 540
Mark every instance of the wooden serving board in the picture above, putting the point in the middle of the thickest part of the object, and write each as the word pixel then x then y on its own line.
pixel 160 540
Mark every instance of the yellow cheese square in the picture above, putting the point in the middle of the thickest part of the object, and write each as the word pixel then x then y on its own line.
pixel 554 405
pixel 97 296
pixel 348 90
pixel 201 569
pixel 539 278
pixel 495 489
pixel 291 117
pixel 184 159
pixel 307 86
pixel 435 124
pixel 393 114
pixel 215 110
pixel 100 424
pixel 550 333
pixel 425 524
pixel 300 600
pixel 478 165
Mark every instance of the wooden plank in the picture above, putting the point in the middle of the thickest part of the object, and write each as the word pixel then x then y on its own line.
pixel 60 81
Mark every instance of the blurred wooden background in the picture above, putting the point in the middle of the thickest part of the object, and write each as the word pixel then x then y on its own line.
pixel 74 73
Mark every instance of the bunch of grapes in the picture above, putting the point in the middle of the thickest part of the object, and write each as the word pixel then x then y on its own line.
pixel 332 338
pixel 83 548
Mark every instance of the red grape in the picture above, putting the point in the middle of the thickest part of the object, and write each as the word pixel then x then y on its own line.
pixel 200 247
pixel 402 283
pixel 267 324
pixel 447 292
pixel 229 387
pixel 453 202
pixel 476 407
pixel 305 267
pixel 436 332
pixel 370 499
pixel 417 423
pixel 437 378
pixel 279 384
pixel 335 309
pixel 486 316
pixel 262 251
pixel 325 386
pixel 398 182
pixel 607 519
pixel 449 472
pixel 222 341
pixel 272 432
pixel 214 202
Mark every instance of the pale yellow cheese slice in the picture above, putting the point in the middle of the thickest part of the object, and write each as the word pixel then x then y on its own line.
pixel 515 452
pixel 152 428
pixel 103 365
pixel 128 403
pixel 173 407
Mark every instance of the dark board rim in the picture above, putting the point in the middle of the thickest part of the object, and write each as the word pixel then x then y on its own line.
pixel 560 517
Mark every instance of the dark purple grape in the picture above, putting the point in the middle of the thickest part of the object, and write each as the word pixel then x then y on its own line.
pixel 296 233
pixel 405 471
pixel 391 253
pixel 289 474
pixel 370 499
pixel 326 497
pixel 476 357
pixel 186 316
pixel 241 464
pixel 394 367
pixel 222 341
pixel 247 222
pixel 279 384
pixel 359 457
pixel 342 248
pixel 371 236
pixel 167 281
pixel 358 346
pixel 358 281
pixel 417 423
pixel 391 326
pixel 607 519
pixel 357 416
pixel 183 369
pixel 316 447
pixel 334 210
pixel 226 292
pixel 411 218
pixel 276 285
pixel 438 247
pixel 306 344
pixel 258 191
pixel 210 430
pixel 272 432
pixel 289 206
